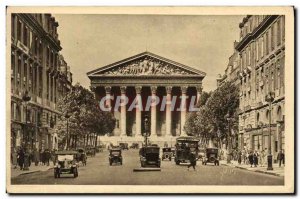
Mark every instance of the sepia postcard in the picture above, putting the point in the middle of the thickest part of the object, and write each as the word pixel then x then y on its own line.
pixel 160 100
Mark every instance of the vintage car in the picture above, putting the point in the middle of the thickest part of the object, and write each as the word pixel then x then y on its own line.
pixel 149 156
pixel 185 145
pixel 91 151
pixel 167 153
pixel 123 146
pixel 81 156
pixel 115 156
pixel 211 156
pixel 134 146
pixel 66 163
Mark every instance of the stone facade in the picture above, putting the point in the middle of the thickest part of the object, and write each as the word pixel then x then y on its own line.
pixel 147 76
pixel 232 71
pixel 38 68
pixel 261 52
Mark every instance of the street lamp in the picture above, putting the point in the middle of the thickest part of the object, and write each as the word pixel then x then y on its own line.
pixel 270 98
pixel 67 116
pixel 146 133
pixel 26 98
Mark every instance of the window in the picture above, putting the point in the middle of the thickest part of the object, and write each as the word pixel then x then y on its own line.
pixel 283 28
pixel 257 51
pixel 279 32
pixel 25 36
pixel 272 37
pixel 13 25
pixel 19 30
pixel 249 56
pixel 262 47
pixel 267 43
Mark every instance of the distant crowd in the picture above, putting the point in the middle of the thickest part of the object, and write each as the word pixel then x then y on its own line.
pixel 21 156
pixel 253 158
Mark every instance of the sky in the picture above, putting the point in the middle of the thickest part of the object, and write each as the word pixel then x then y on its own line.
pixel 202 42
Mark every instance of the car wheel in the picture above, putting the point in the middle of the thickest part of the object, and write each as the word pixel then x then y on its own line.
pixel 121 163
pixel 110 163
pixel 177 162
pixel 170 159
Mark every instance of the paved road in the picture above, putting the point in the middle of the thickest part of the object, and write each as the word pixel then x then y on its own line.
pixel 98 172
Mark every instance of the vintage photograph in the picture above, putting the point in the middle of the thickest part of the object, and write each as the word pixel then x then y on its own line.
pixel 111 98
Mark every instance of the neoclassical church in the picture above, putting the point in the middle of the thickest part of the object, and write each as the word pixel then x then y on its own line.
pixel 143 76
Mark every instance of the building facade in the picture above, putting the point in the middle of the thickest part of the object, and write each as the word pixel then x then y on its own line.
pixel 38 69
pixel 262 59
pixel 232 71
pixel 147 76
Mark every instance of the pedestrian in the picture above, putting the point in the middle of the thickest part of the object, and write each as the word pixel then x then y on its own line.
pixel 47 157
pixel 244 156
pixel 21 156
pixel 240 157
pixel 250 158
pixel 193 160
pixel 36 157
pixel 280 157
pixel 43 157
pixel 255 158
pixel 14 158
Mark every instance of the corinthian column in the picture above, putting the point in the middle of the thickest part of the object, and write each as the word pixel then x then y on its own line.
pixel 183 110
pixel 153 111
pixel 168 111
pixel 123 110
pixel 108 100
pixel 138 113
pixel 199 92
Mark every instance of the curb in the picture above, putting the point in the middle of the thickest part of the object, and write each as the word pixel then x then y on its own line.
pixel 31 172
pixel 258 171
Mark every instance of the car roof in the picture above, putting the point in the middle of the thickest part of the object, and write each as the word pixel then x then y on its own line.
pixel 66 152
pixel 187 138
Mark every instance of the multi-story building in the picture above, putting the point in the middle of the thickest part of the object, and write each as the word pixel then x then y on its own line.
pixel 37 69
pixel 232 71
pixel 261 51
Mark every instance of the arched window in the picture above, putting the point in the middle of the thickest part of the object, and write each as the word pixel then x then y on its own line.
pixel 267 115
pixel 18 113
pixel 279 114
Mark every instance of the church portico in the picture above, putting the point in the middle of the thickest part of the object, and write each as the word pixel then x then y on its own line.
pixel 147 86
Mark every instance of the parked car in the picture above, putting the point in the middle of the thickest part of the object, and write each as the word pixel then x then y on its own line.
pixel 66 163
pixel 211 156
pixel 167 153
pixel 91 151
pixel 123 146
pixel 115 156
pixel 149 156
pixel 134 146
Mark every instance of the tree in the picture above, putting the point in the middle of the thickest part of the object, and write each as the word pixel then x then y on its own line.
pixel 215 107
pixel 86 121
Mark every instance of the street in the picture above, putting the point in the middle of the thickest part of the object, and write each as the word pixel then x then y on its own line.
pixel 98 172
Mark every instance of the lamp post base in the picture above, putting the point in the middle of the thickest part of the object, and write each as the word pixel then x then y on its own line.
pixel 270 162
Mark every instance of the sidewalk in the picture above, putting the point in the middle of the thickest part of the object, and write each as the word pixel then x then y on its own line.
pixel 277 171
pixel 32 169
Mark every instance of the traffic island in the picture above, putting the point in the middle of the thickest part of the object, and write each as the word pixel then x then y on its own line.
pixel 142 169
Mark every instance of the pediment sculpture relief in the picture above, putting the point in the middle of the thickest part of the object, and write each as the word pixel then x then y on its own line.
pixel 147 67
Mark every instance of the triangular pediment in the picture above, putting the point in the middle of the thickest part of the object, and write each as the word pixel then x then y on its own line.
pixel 145 64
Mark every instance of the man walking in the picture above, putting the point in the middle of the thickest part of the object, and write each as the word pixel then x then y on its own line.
pixel 280 157
pixel 192 161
